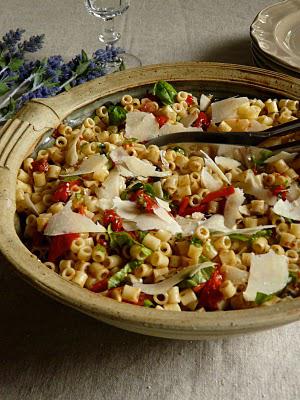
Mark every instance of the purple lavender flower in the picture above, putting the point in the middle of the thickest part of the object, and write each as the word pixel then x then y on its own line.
pixel 10 39
pixel 33 44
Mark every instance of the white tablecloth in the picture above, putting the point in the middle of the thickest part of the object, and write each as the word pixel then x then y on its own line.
pixel 50 352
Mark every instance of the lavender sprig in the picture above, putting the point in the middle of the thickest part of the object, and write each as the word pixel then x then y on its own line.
pixel 21 81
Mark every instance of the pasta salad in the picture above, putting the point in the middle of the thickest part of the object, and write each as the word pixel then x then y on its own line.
pixel 179 228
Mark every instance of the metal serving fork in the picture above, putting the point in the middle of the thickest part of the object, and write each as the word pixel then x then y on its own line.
pixel 277 137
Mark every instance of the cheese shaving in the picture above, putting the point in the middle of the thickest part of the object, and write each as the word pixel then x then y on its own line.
pixel 167 129
pixel 268 274
pixel 226 109
pixel 253 184
pixel 66 221
pixel 282 155
pixel 232 205
pixel 209 182
pixel 141 125
pixel 227 163
pixel 89 165
pixel 210 163
pixel 142 168
pixel 288 209
pixel 167 284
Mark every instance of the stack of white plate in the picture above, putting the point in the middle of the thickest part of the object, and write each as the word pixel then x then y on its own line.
pixel 275 36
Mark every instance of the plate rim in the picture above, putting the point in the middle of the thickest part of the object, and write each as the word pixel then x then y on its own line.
pixel 264 20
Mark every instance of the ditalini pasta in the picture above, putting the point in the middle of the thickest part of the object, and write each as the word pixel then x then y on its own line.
pixel 172 229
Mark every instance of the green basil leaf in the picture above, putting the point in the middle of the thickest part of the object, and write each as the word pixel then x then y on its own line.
pixel 179 150
pixel 239 236
pixel 263 233
pixel 165 92
pixel 116 114
pixel 148 188
pixel 120 239
pixel 71 178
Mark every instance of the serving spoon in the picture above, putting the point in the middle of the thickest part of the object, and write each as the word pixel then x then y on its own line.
pixel 280 135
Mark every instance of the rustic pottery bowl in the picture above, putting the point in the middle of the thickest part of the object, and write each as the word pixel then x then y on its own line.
pixel 21 135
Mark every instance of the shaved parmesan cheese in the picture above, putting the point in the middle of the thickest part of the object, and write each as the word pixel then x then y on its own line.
pixel 178 127
pixel 142 168
pixel 204 102
pixel 217 226
pixel 253 184
pixel 189 119
pixel 158 190
pixel 141 125
pixel 30 205
pixel 118 154
pixel 244 210
pixel 124 171
pixel 268 274
pixel 67 221
pixel 188 225
pixel 210 163
pixel 282 155
pixel 232 205
pixel 255 126
pixel 236 275
pixel 288 209
pixel 72 154
pixel 162 203
pixel 161 219
pixel 227 163
pixel 293 192
pixel 226 109
pixel 209 182
pixel 89 165
pixel 167 284
pixel 113 185
pixel 162 154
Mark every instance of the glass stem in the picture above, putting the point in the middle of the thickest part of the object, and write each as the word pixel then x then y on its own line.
pixel 109 35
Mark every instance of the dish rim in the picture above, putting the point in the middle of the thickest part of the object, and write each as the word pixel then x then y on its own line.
pixel 27 128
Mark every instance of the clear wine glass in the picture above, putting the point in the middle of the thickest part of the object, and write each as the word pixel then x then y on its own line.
pixel 107 10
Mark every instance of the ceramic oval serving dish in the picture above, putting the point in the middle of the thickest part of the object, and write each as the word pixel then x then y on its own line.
pixel 35 121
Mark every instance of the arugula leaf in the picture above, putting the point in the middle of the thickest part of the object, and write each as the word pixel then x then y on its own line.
pixel 262 298
pixel 203 275
pixel 120 276
pixel 141 235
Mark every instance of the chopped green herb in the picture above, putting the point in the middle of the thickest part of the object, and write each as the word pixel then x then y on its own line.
pixel 101 148
pixel 179 150
pixel 141 235
pixel 264 155
pixel 100 248
pixel 178 236
pixel 124 195
pixel 148 188
pixel 71 178
pixel 196 241
pixel 165 92
pixel 148 303
pixel 239 236
pixel 203 275
pixel 135 187
pixel 262 298
pixel 203 259
pixel 293 276
pixel 78 196
pixel 119 239
pixel 145 252
pixel 121 275
pixel 262 233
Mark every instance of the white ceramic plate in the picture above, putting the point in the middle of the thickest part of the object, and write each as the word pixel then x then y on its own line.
pixel 276 31
pixel 261 61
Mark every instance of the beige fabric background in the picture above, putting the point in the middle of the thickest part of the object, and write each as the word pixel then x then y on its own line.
pixel 50 352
